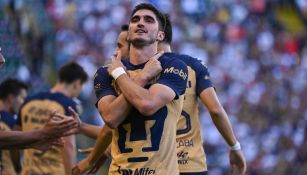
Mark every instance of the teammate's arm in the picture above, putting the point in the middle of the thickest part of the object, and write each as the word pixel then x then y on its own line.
pixel 89 130
pixel 96 166
pixel 103 141
pixel 19 139
pixel 222 123
pixel 69 153
pixel 218 115
pixel 52 129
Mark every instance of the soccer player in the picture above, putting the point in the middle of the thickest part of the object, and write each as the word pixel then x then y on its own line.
pixel 57 126
pixel 189 142
pixel 12 95
pixel 34 113
pixel 150 123
pixel 43 138
pixel 190 152
pixel 144 132
pixel 122 42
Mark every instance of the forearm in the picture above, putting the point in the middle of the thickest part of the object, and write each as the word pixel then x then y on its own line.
pixel 218 115
pixel 114 111
pixel 107 152
pixel 103 141
pixel 19 139
pixel 222 123
pixel 69 154
pixel 138 96
pixel 89 130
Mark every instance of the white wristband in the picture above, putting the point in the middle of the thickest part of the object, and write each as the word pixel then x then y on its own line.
pixel 118 72
pixel 236 147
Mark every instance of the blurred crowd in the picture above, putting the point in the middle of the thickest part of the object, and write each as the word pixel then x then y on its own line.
pixel 255 50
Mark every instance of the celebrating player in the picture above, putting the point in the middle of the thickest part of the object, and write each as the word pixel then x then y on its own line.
pixel 190 152
pixel 150 120
pixel 34 114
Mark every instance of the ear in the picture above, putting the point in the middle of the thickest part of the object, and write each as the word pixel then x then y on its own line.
pixel 160 36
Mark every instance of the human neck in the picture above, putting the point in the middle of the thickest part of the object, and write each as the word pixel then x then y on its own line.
pixel 141 55
pixel 62 88
pixel 165 47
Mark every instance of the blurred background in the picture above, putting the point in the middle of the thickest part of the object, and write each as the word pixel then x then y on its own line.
pixel 256 52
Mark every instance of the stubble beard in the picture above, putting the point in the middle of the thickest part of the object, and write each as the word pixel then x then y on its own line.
pixel 140 43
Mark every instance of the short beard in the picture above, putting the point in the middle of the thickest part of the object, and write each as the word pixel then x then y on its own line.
pixel 140 43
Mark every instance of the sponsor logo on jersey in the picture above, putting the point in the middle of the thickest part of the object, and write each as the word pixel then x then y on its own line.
pixel 138 171
pixel 184 143
pixel 182 157
pixel 172 70
pixel 98 86
pixel 183 162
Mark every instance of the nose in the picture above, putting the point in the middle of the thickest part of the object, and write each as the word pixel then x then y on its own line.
pixel 140 25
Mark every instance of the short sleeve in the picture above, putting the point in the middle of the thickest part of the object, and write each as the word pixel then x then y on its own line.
pixel 103 83
pixel 174 74
pixel 202 76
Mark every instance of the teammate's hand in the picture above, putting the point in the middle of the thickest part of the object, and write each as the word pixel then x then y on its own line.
pixel 48 145
pixel 77 127
pixel 57 125
pixel 95 167
pixel 116 62
pixel 237 161
pixel 77 119
pixel 82 167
